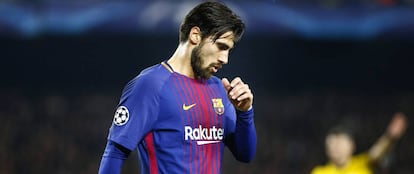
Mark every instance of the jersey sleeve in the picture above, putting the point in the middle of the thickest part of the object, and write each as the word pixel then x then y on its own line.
pixel 358 164
pixel 113 158
pixel 136 113
pixel 241 138
pixel 242 141
pixel 362 160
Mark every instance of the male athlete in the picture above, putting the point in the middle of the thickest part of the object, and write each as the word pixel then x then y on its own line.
pixel 176 113
pixel 340 147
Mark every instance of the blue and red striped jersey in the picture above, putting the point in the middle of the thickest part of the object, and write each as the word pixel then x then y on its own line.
pixel 180 124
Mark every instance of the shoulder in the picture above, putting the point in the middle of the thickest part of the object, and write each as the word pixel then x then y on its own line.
pixel 215 81
pixel 153 74
pixel 218 84
pixel 361 159
pixel 361 163
pixel 322 169
pixel 149 79
pixel 361 156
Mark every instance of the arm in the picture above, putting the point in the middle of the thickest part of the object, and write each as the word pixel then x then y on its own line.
pixel 243 142
pixel 139 105
pixel 113 158
pixel 395 130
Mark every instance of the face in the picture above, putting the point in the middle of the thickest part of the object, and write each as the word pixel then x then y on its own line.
pixel 339 148
pixel 209 56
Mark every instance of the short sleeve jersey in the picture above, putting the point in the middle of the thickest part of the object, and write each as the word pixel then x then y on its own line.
pixel 360 164
pixel 178 124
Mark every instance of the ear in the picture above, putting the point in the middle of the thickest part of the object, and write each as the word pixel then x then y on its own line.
pixel 195 36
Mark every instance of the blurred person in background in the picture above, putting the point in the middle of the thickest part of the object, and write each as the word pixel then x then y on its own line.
pixel 176 113
pixel 340 147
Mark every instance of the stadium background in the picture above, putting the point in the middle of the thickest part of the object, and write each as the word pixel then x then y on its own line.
pixel 311 64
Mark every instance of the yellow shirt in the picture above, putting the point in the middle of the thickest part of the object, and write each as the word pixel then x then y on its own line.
pixel 360 164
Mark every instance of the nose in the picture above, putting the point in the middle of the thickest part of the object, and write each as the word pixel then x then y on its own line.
pixel 224 58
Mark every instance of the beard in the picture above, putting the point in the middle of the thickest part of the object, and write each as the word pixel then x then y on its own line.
pixel 197 62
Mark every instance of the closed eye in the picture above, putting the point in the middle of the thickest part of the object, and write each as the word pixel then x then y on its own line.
pixel 222 46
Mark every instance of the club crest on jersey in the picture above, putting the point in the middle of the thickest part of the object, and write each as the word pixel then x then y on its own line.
pixel 121 116
pixel 218 105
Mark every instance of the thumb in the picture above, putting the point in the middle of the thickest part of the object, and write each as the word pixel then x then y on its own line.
pixel 226 84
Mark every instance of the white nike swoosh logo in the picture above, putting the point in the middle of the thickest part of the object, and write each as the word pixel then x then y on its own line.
pixel 206 142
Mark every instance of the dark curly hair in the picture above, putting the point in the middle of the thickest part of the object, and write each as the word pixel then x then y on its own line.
pixel 214 19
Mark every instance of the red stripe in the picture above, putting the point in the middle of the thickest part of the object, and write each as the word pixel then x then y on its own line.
pixel 200 149
pixel 149 140
pixel 185 99
pixel 203 148
pixel 206 149
pixel 189 83
pixel 215 92
pixel 214 147
pixel 207 118
pixel 179 103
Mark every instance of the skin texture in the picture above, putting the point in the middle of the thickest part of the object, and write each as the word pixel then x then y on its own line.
pixel 339 148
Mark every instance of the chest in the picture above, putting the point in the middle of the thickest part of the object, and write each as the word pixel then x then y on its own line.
pixel 195 104
pixel 193 112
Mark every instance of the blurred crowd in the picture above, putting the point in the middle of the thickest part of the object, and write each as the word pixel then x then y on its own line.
pixel 53 133
pixel 65 132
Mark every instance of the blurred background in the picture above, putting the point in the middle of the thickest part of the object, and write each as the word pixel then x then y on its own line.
pixel 312 64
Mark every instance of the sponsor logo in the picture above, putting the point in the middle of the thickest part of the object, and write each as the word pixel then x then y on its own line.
pixel 204 135
pixel 186 108
pixel 121 116
pixel 218 105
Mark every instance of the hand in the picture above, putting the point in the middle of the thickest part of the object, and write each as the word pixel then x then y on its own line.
pixel 239 93
pixel 397 126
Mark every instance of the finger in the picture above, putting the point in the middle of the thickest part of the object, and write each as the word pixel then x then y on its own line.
pixel 245 96
pixel 235 91
pixel 244 105
pixel 239 90
pixel 226 84
pixel 236 81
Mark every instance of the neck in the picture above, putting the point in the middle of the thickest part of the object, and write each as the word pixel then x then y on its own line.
pixel 180 61
pixel 342 164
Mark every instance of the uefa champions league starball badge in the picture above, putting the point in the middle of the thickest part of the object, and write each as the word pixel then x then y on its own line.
pixel 121 116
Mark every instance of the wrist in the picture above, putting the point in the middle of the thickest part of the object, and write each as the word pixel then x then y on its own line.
pixel 245 114
pixel 247 110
